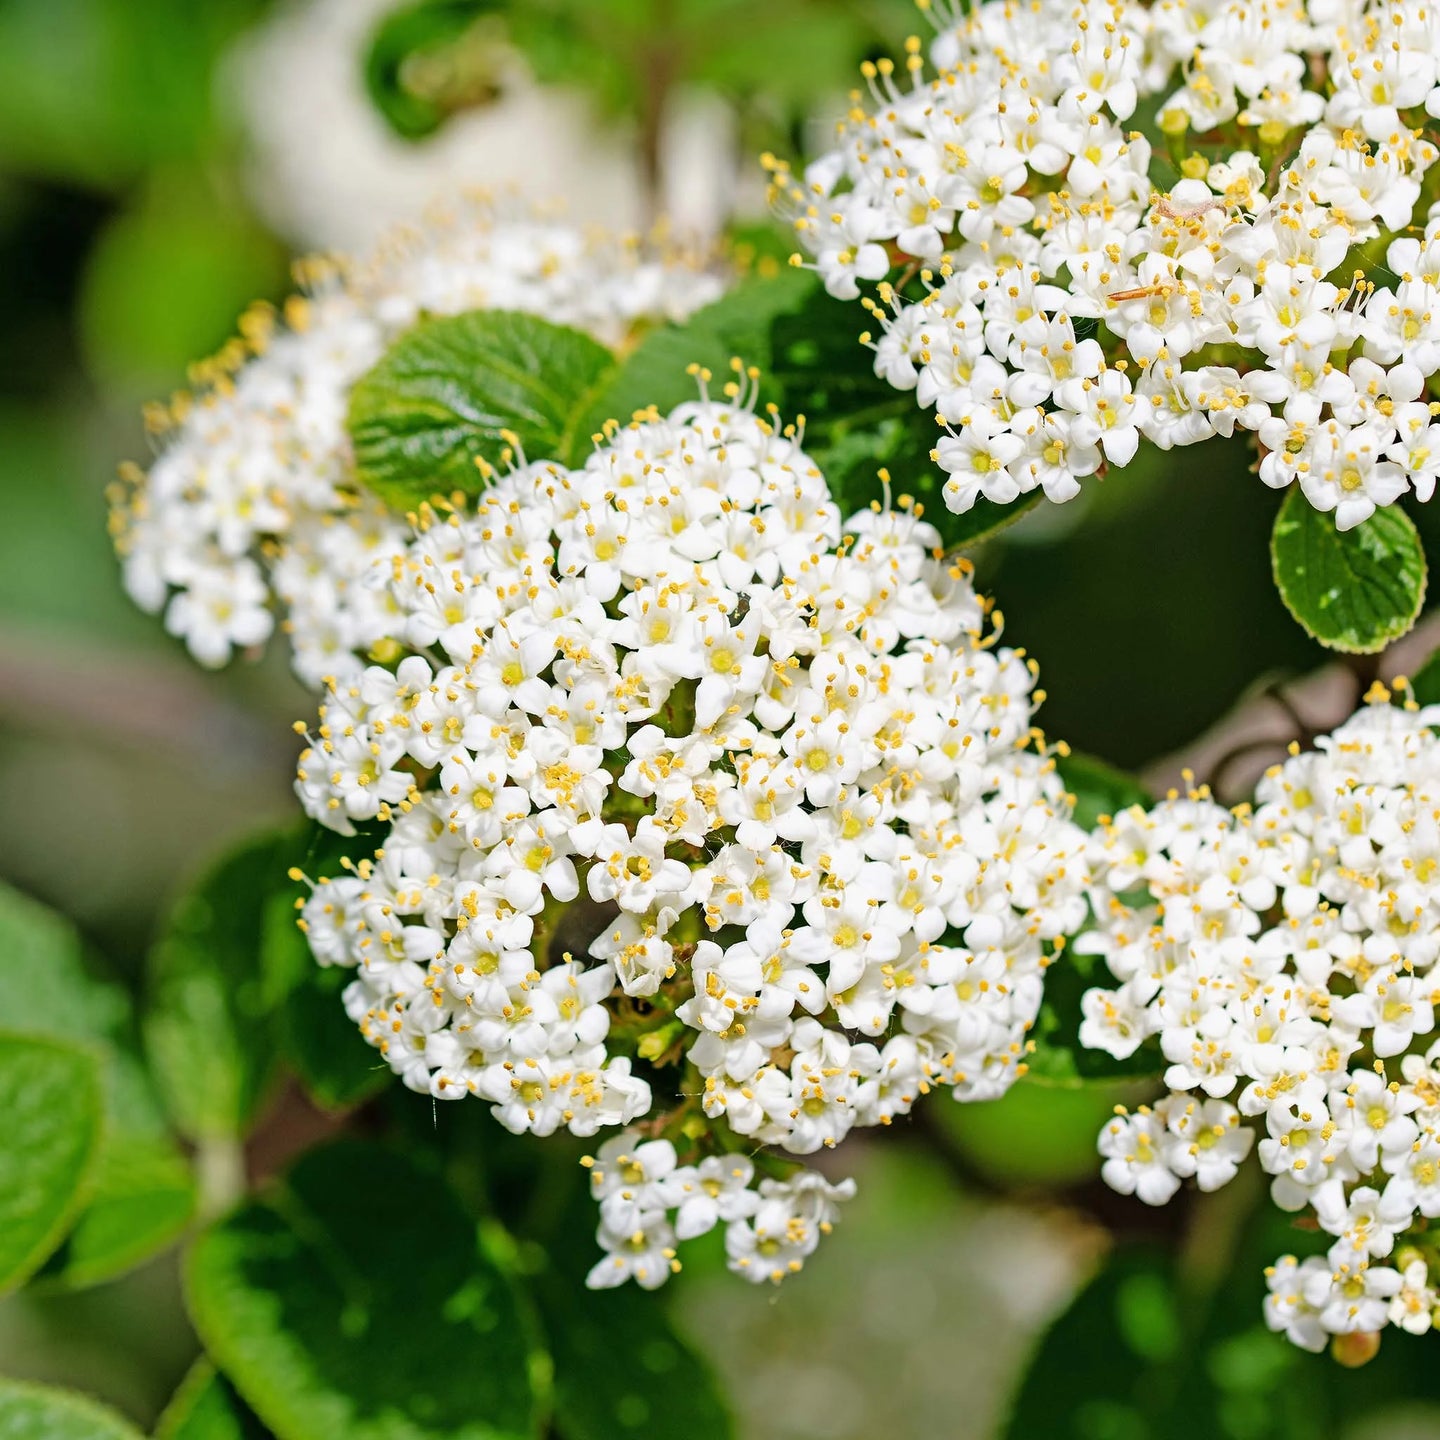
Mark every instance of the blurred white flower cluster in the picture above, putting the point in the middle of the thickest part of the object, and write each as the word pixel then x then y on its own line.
pixel 700 808
pixel 1057 291
pixel 1285 957
pixel 251 506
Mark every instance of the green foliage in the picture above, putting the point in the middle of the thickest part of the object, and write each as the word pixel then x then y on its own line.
pixel 1355 590
pixel 36 1412
pixel 210 1047
pixel 318 1039
pixel 1099 788
pixel 1160 1348
pixel 50 1098
pixel 140 1195
pixel 354 1299
pixel 1057 1057
pixel 429 60
pixel 206 1407
pixel 1425 682
pixel 660 1387
pixel 442 396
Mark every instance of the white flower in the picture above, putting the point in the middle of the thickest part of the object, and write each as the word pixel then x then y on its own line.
pixel 252 507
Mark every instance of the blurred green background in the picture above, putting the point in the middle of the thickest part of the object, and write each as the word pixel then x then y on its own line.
pixel 159 162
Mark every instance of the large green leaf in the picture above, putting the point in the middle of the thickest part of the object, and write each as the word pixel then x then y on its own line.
pixel 659 1386
pixel 1355 590
pixel 36 1412
pixel 206 1407
pixel 354 1300
pixel 207 1031
pixel 50 1098
pixel 445 394
pixel 142 1193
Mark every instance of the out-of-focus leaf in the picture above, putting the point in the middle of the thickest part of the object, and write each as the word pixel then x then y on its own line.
pixel 164 282
pixel 441 396
pixel 37 1412
pixel 354 1300
pixel 94 91
pixel 661 1388
pixel 50 1098
pixel 141 1193
pixel 1353 590
pixel 429 60
pixel 207 1031
pixel 206 1407
pixel 1425 682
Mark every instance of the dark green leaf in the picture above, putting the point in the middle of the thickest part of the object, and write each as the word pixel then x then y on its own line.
pixel 207 1033
pixel 660 1387
pixel 142 1193
pixel 354 1301
pixel 1099 788
pixel 440 397
pixel 319 1040
pixel 36 1412
pixel 430 60
pixel 1425 682
pixel 1355 590
pixel 737 326
pixel 50 1098
pixel 1057 1057
pixel 206 1407
pixel 807 348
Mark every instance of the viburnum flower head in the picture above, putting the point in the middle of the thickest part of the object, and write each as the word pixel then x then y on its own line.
pixel 251 509
pixel 1282 959
pixel 1058 284
pixel 709 819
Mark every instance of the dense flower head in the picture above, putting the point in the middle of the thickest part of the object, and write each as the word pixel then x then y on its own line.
pixel 1057 290
pixel 1283 957
pixel 251 505
pixel 705 813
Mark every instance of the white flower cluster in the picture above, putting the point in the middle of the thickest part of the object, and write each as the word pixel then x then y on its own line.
pixel 251 503
pixel 1066 305
pixel 681 772
pixel 649 1203
pixel 1284 959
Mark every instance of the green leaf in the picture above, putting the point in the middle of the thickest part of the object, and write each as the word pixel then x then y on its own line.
pixel 142 1199
pixel 50 1098
pixel 807 348
pixel 142 1193
pixel 430 60
pixel 738 325
pixel 1057 1057
pixel 1425 682
pixel 1099 788
pixel 1354 591
pixel 659 1387
pixel 206 1407
pixel 36 1412
pixel 354 1300
pixel 207 1031
pixel 440 397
